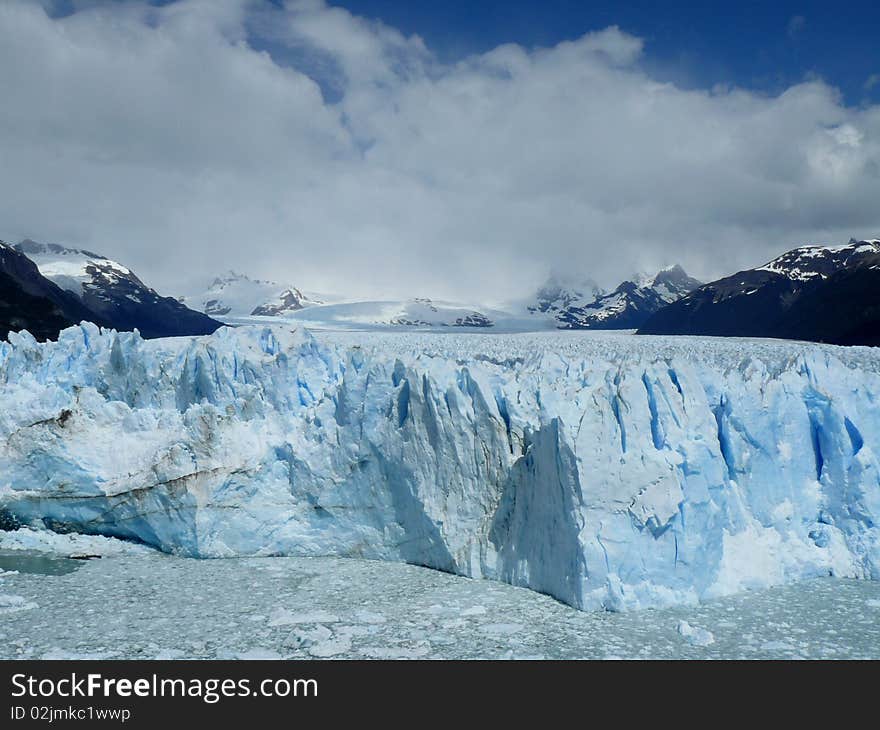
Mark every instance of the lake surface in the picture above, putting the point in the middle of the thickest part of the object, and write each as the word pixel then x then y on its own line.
pixel 158 606
pixel 25 561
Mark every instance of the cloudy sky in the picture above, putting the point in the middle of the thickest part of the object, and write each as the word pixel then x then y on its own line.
pixel 377 151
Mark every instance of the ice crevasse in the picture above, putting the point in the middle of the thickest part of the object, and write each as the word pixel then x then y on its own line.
pixel 610 472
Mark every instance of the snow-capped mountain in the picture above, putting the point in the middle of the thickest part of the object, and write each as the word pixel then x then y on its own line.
pixel 672 283
pixel 113 293
pixel 29 301
pixel 560 292
pixel 630 304
pixel 610 472
pixel 414 313
pixel 233 296
pixel 820 293
pixel 809 263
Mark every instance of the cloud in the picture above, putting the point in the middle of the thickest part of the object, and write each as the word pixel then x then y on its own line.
pixel 872 81
pixel 796 25
pixel 307 144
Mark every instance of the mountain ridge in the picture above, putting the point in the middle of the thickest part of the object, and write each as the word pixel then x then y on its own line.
pixel 29 301
pixel 815 293
pixel 628 306
pixel 113 293
pixel 237 295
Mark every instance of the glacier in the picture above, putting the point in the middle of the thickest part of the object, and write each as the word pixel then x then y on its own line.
pixel 606 470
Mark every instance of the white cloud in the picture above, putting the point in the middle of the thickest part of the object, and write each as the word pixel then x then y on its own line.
pixel 161 137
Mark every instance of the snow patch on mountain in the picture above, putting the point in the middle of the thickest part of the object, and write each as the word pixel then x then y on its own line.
pixel 417 313
pixel 112 294
pixel 77 270
pixel 630 304
pixel 28 300
pixel 819 261
pixel 817 293
pixel 233 296
pixel 562 291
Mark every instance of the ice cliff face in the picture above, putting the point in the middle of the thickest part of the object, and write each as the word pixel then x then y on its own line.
pixel 608 471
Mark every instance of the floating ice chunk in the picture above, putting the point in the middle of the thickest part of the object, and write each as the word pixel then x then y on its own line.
pixel 455 623
pixel 26 538
pixel 474 611
pixel 695 635
pixel 304 638
pixel 370 617
pixel 502 629
pixel 63 655
pixel 394 652
pixel 13 604
pixel 259 655
pixel 438 610
pixel 775 645
pixel 331 647
pixel 283 617
pixel 168 654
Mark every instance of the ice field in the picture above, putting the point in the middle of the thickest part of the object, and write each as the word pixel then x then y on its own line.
pixel 607 470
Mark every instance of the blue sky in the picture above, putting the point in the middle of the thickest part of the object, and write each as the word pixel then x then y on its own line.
pixel 765 46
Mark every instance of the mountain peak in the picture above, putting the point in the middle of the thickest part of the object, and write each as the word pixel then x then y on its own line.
pixel 30 247
pixel 562 290
pixel 236 295
pixel 111 293
pixel 819 293
pixel 233 277
pixel 676 278
pixel 820 261
pixel 626 307
pixel 673 270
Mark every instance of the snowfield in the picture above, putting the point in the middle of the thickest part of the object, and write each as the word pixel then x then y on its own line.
pixel 419 313
pixel 606 470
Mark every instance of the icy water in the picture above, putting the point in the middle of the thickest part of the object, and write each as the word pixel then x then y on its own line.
pixel 157 606
pixel 23 561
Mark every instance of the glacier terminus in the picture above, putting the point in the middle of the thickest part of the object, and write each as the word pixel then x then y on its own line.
pixel 606 470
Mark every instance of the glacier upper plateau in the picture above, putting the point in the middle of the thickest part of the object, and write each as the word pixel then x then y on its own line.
pixel 606 470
